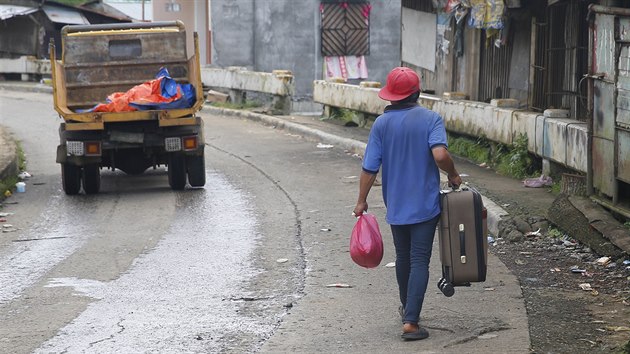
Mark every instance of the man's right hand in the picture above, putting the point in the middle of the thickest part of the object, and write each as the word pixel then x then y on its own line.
pixel 360 209
pixel 454 180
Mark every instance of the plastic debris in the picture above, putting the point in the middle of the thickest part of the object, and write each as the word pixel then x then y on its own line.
pixel 325 229
pixel 555 270
pixel 282 260
pixel 586 287
pixel 338 285
pixel 626 262
pixel 489 289
pixel 2 215
pixel 20 187
pixel 576 269
pixel 24 175
pixel 483 164
pixel 7 193
pixel 390 265
pixel 542 181
pixel 491 239
pixel 533 233
pixel 618 328
pixel 325 146
pixel 603 261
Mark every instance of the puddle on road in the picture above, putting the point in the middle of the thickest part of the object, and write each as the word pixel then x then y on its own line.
pixel 173 299
pixel 24 263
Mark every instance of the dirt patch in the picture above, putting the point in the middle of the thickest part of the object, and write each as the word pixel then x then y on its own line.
pixel 564 318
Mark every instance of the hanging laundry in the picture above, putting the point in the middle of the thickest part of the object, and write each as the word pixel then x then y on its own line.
pixel 486 14
pixel 346 67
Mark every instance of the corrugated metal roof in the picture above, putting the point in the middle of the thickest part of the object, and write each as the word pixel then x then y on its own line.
pixel 64 15
pixel 8 11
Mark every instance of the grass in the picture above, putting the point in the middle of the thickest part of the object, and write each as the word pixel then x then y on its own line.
pixel 514 161
pixel 555 233
pixel 245 105
pixel 8 184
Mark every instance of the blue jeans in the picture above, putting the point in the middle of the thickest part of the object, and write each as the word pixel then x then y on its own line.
pixel 413 252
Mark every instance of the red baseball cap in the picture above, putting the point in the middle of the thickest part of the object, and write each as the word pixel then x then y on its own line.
pixel 401 83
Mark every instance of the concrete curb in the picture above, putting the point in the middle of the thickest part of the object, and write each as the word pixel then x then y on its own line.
pixel 495 212
pixel 8 155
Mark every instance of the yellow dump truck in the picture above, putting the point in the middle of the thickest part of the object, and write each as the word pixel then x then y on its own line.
pixel 100 60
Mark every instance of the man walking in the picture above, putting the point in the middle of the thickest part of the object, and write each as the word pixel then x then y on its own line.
pixel 409 143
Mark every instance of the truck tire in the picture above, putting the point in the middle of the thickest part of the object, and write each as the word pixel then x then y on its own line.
pixel 91 179
pixel 71 178
pixel 177 172
pixel 196 166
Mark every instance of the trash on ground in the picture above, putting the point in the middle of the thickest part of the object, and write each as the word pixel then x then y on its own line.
pixel 3 220
pixel 576 269
pixel 533 233
pixel 603 261
pixel 464 175
pixel 24 175
pixel 7 226
pixel 325 229
pixel 489 289
pixel 7 193
pixel 520 262
pixel 282 260
pixel 338 285
pixel 2 215
pixel 542 181
pixel 505 205
pixel 594 292
pixel 491 239
pixel 351 177
pixel 555 270
pixel 325 146
pixel 483 164
pixel 20 187
pixel 390 265
pixel 586 287
pixel 626 262
pixel 618 328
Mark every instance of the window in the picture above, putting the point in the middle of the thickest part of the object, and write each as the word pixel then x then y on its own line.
pixel 345 28
pixel 173 7
pixel 125 49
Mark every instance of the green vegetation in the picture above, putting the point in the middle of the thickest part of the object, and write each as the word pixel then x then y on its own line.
pixel 8 184
pixel 341 114
pixel 555 233
pixel 627 224
pixel 244 105
pixel 475 150
pixel 514 161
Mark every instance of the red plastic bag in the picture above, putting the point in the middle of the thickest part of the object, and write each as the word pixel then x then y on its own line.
pixel 366 243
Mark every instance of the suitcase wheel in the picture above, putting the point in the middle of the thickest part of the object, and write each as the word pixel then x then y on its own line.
pixel 446 288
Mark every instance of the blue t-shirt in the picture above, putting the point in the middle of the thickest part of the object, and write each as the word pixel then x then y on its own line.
pixel 400 141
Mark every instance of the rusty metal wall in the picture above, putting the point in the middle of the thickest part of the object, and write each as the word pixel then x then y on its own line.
pixel 567 58
pixel 494 71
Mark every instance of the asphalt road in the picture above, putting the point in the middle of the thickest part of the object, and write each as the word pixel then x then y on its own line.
pixel 140 268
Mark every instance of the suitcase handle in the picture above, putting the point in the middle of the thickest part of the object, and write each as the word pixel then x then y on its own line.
pixel 462 244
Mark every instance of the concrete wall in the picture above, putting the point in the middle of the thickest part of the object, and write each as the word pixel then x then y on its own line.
pixel 285 35
pixel 557 139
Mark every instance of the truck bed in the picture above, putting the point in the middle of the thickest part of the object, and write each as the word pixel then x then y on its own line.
pixel 100 60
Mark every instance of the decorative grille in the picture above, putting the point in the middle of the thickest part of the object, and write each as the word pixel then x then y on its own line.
pixel 345 28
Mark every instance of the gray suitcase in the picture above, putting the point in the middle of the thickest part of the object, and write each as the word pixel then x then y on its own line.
pixel 463 239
